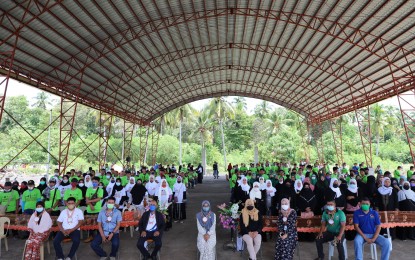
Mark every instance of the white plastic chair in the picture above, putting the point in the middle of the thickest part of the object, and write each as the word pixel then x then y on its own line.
pixel 373 251
pixel 3 234
pixel 331 249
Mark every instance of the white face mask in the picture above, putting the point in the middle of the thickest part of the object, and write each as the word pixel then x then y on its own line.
pixel 285 207
pixel 81 185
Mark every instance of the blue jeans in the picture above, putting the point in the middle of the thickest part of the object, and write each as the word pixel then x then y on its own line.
pixel 380 241
pixel 76 239
pixel 115 244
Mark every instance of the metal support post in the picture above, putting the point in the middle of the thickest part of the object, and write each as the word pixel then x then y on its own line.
pixel 318 136
pixel 407 107
pixel 154 144
pixel 336 130
pixel 67 121
pixel 144 133
pixel 105 123
pixel 127 141
pixel 363 123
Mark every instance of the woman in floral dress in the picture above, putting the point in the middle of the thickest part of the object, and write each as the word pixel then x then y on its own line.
pixel 287 238
pixel 206 238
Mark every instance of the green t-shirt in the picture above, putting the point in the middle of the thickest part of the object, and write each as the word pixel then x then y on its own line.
pixel 397 174
pixel 5 197
pixel 48 203
pixel 124 180
pixel 30 198
pixel 76 193
pixel 338 218
pixel 265 176
pixel 285 169
pixel 315 170
pixel 345 170
pixel 243 169
pixel 171 182
pixel 267 169
pixel 409 174
pixel 253 169
pixel 232 181
pixel 89 193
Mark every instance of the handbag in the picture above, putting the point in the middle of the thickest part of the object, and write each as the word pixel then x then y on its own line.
pixel 94 196
pixel 3 208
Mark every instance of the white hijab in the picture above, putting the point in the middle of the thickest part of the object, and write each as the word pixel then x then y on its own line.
pixel 406 194
pixel 88 184
pixel 296 188
pixel 262 184
pixel 255 192
pixel 151 186
pixel 354 190
pixel 385 190
pixel 129 186
pixel 245 187
pixel 336 190
pixel 270 190
pixel 166 189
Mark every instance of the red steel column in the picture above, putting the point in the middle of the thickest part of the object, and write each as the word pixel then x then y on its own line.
pixel 128 138
pixel 7 59
pixel 407 107
pixel 336 130
pixel 105 123
pixel 363 123
pixel 67 121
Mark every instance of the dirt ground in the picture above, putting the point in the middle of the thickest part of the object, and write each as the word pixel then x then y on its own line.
pixel 180 241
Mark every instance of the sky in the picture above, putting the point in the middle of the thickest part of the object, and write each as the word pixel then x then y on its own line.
pixel 17 88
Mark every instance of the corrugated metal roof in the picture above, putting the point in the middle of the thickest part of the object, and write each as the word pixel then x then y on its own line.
pixel 139 59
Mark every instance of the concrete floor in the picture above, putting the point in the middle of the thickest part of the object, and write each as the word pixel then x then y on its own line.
pixel 180 241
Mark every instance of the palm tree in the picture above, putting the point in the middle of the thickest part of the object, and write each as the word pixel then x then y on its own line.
pixel 202 126
pixel 42 100
pixel 378 115
pixel 221 109
pixel 179 115
pixel 262 109
pixel 240 104
pixel 278 120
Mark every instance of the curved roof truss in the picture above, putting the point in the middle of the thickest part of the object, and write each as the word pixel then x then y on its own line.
pixel 139 59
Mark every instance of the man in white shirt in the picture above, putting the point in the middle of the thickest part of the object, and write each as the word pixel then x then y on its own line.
pixel 69 222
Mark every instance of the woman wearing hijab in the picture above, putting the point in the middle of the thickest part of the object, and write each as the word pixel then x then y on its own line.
pixel 81 186
pixel 320 189
pixel 151 186
pixel 164 196
pixel 270 199
pixel 88 181
pixel 42 184
pixel 206 238
pixel 118 192
pixel 179 195
pixel 387 200
pixel 129 186
pixel 138 195
pixel 289 193
pixel 251 228
pixel 307 179
pixel 242 192
pixel 64 185
pixel 352 197
pixel 334 193
pixel 39 227
pixel 287 238
pixel 298 186
pixel 258 196
pixel 406 199
pixel 306 201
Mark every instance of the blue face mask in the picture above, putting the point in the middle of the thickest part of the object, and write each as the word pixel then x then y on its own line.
pixel 39 210
pixel 153 207
pixel 352 186
pixel 206 209
pixel 42 183
pixel 330 208
pixel 94 184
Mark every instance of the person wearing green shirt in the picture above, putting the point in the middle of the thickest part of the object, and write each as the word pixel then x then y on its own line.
pixel 30 197
pixel 243 168
pixel 333 225
pixel 171 180
pixel 10 198
pixel 93 199
pixel 410 172
pixel 398 173
pixel 52 197
pixel 125 179
pixel 74 191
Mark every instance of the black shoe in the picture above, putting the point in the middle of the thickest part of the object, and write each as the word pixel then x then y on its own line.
pixel 146 257
pixel 318 258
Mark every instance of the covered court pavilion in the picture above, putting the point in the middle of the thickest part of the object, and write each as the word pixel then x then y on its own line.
pixel 137 60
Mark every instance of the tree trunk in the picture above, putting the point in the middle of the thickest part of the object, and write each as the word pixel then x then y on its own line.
pixel 377 144
pixel 146 150
pixel 256 156
pixel 223 142
pixel 204 164
pixel 180 142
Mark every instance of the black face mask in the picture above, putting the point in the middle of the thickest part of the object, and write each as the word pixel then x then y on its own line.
pixel 406 187
pixel 335 185
pixel 250 207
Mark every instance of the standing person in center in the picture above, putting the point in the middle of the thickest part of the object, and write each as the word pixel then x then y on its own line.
pixel 251 228
pixel 215 170
pixel 287 240
pixel 206 238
